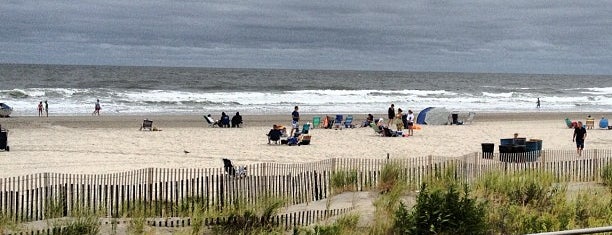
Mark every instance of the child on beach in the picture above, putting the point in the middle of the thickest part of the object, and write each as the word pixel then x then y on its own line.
pixel 40 109
pixel 410 120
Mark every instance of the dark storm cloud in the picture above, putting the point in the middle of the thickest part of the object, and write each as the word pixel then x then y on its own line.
pixel 478 36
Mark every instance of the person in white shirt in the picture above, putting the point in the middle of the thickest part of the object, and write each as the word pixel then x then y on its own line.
pixel 410 122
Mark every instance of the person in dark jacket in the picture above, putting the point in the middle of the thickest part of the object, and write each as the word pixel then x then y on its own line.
pixel 580 134
pixel 224 121
pixel 274 134
pixel 236 120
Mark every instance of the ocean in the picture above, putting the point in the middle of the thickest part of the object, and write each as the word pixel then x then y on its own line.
pixel 73 90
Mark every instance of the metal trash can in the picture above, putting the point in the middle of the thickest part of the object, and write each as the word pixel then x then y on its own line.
pixel 505 152
pixel 520 141
pixel 487 150
pixel 506 141
pixel 4 140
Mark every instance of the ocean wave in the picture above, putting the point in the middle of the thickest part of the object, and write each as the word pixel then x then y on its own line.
pixel 15 93
pixel 125 101
pixel 606 91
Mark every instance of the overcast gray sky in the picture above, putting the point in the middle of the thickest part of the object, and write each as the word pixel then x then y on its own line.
pixel 518 36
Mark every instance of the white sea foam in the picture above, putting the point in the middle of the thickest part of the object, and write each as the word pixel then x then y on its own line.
pixel 68 101
pixel 599 91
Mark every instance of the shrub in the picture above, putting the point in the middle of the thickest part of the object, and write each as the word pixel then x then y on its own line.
pixel 606 175
pixel 442 177
pixel 252 219
pixel 439 212
pixel 342 181
pixel 6 223
pixel 390 178
pixel 85 222
pixel 346 224
pixel 536 188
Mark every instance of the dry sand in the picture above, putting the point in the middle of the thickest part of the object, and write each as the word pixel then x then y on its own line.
pixel 105 144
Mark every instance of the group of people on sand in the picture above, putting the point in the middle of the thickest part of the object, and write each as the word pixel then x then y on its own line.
pixel 402 121
pixel 42 109
pixel 45 108
pixel 279 131
pixel 226 122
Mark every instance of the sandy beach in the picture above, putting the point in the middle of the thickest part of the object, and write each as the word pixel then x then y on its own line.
pixel 106 144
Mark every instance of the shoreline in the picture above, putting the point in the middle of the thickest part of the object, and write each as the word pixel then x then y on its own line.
pixel 180 120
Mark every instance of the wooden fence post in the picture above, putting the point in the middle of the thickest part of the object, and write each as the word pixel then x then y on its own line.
pixel 596 170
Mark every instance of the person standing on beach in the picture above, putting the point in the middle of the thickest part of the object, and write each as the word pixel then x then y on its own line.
pixel 391 114
pixel 580 134
pixel 538 103
pixel 410 120
pixel 399 124
pixel 97 108
pixel 46 108
pixel 40 109
pixel 295 119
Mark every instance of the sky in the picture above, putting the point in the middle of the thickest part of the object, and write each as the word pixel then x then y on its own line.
pixel 519 36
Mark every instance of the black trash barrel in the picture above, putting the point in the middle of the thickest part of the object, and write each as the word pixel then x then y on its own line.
pixel 505 152
pixel 3 140
pixel 506 141
pixel 519 153
pixel 532 151
pixel 487 150
pixel 520 141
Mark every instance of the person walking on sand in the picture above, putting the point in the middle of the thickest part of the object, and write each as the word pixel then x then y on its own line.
pixel 46 108
pixel 391 114
pixel 96 108
pixel 40 109
pixel 580 134
pixel 295 119
pixel 538 103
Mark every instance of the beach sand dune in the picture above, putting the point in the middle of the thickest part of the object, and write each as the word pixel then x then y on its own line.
pixel 108 144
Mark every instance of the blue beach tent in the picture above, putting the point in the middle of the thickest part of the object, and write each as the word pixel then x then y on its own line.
pixel 433 116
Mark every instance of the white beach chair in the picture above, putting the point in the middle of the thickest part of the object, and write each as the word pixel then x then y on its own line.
pixel 470 117
pixel 211 122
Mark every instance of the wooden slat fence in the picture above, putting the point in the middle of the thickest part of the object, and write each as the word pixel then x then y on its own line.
pixel 174 192
pixel 286 221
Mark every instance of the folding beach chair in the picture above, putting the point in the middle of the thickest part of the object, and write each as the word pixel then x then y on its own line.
pixel 338 121
pixel 305 128
pixel 211 122
pixel 304 140
pixel 376 129
pixel 348 123
pixel 569 123
pixel 590 122
pixel 470 117
pixel 232 170
pixel 147 125
pixel 316 121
